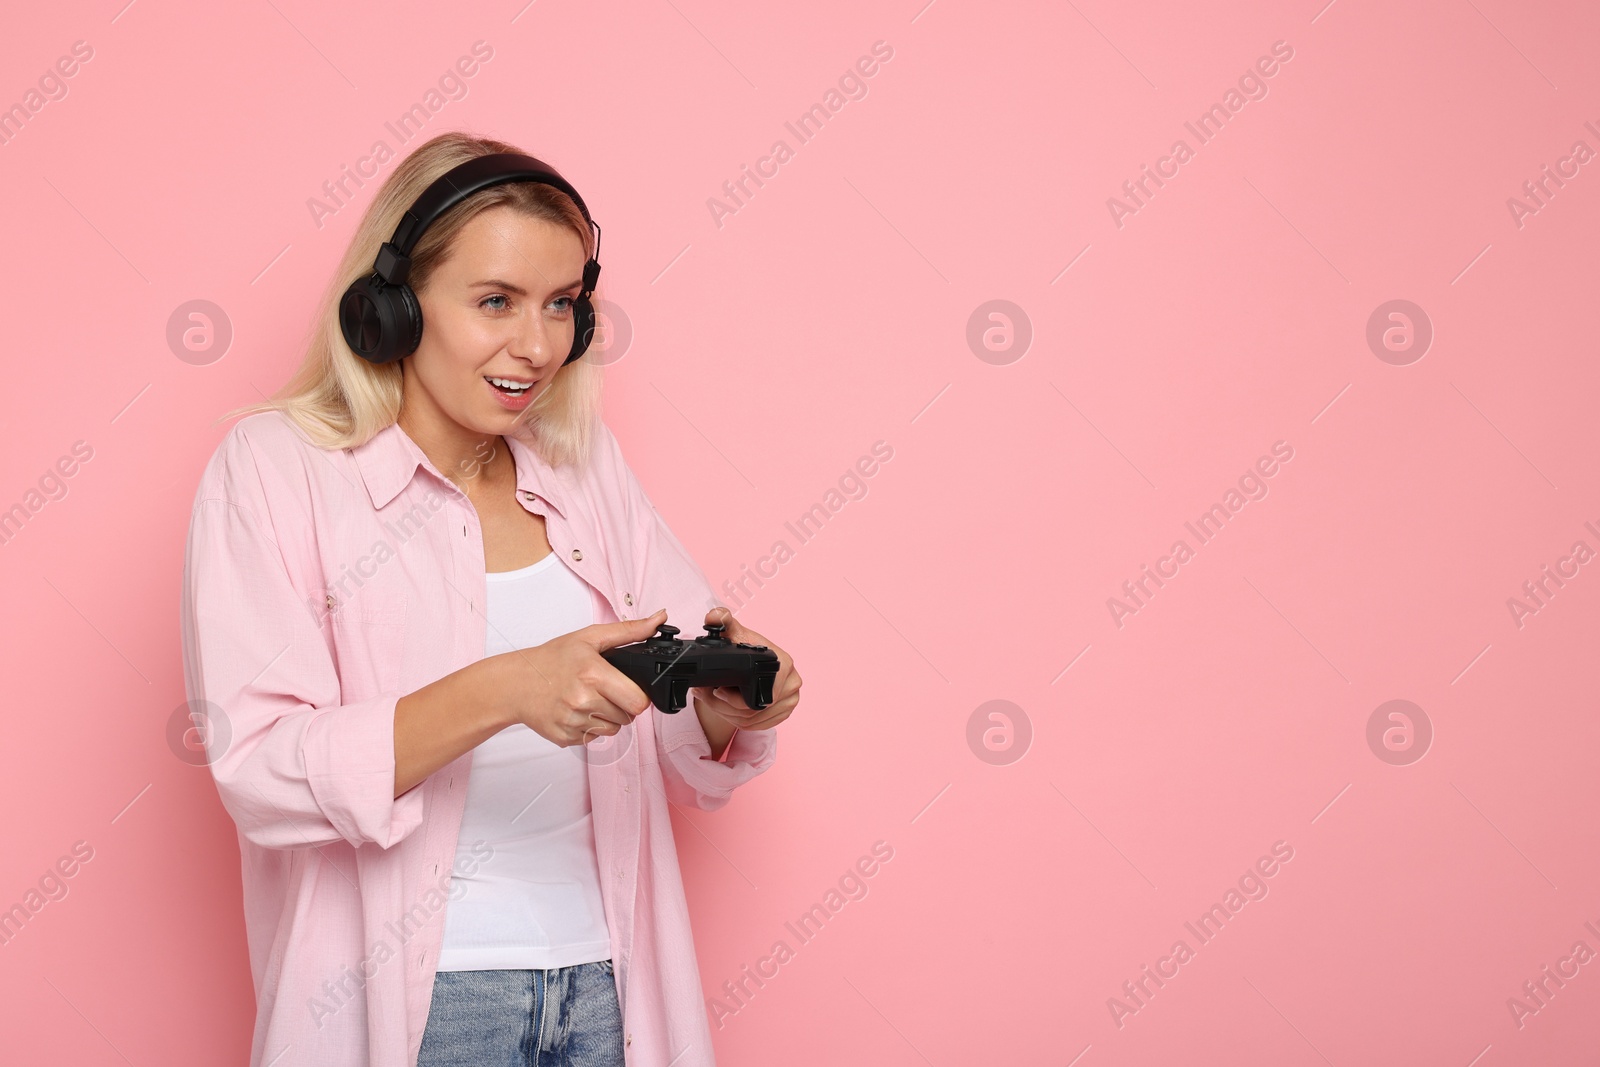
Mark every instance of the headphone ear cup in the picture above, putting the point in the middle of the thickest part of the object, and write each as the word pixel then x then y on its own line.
pixel 380 322
pixel 360 320
pixel 413 314
pixel 582 327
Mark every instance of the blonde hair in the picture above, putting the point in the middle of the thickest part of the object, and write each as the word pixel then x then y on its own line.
pixel 339 400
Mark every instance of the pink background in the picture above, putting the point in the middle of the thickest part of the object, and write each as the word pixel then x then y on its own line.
pixel 768 354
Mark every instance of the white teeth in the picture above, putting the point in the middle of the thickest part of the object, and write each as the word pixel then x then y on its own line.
pixel 508 385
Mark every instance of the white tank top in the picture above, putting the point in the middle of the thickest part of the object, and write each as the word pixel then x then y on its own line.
pixel 535 901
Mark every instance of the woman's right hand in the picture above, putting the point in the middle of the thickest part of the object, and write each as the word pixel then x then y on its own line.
pixel 565 691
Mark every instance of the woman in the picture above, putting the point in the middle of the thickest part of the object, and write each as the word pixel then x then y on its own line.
pixel 399 580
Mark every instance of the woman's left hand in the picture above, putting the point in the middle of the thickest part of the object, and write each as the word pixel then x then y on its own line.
pixel 728 703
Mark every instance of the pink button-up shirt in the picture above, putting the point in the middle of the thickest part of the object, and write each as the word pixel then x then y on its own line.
pixel 320 587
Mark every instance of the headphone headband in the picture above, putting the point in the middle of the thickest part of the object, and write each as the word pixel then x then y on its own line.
pixel 393 264
pixel 379 314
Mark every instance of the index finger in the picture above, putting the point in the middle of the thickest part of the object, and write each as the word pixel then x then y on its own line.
pixel 616 687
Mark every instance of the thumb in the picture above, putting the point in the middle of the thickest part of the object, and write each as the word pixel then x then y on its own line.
pixel 733 629
pixel 626 631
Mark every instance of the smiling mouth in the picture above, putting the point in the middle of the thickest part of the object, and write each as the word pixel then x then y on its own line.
pixel 509 386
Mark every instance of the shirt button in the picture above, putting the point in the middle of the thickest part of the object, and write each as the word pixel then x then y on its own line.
pixel 577 554
pixel 527 495
pixel 628 1040
pixel 627 598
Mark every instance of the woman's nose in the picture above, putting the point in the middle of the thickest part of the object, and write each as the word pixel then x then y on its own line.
pixel 533 341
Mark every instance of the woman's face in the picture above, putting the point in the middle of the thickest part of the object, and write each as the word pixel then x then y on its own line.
pixel 498 308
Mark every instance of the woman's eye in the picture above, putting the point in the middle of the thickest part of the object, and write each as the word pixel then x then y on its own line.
pixel 562 303
pixel 497 296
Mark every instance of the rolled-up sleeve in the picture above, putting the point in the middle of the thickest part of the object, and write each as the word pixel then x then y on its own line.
pixel 295 767
pixel 671 579
pixel 690 773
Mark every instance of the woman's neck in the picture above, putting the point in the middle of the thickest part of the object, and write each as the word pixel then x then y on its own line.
pixel 476 462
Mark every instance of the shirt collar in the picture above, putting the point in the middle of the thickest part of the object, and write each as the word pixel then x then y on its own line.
pixel 389 461
pixel 536 477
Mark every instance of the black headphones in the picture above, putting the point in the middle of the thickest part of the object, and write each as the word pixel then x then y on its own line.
pixel 379 314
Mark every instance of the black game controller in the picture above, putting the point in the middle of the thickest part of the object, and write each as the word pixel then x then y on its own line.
pixel 666 668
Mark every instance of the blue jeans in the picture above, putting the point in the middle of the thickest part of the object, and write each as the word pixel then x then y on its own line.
pixel 560 1017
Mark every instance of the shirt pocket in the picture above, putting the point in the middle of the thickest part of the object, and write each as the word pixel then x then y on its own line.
pixel 369 636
